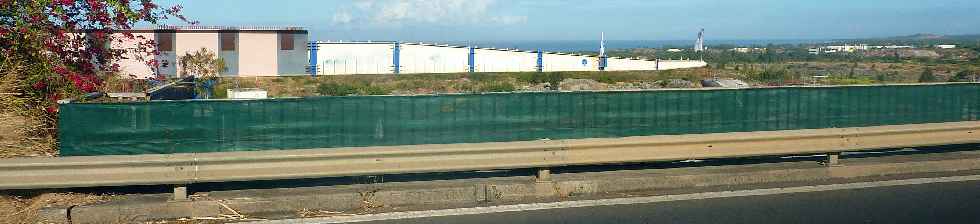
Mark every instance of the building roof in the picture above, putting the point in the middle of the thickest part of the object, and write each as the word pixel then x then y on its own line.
pixel 191 29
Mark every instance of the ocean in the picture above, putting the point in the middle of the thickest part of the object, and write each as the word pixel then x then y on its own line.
pixel 593 45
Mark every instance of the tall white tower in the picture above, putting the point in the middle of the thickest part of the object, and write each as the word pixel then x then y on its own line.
pixel 602 45
pixel 699 45
pixel 602 52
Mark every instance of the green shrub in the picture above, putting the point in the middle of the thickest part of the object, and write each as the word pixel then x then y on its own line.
pixel 480 77
pixel 554 79
pixel 373 90
pixel 499 87
pixel 335 89
pixel 850 81
pixel 220 91
pixel 605 78
pixel 770 76
pixel 927 76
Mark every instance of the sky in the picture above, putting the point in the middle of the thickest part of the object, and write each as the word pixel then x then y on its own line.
pixel 510 20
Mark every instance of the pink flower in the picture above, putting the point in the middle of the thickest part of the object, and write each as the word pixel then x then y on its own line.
pixel 94 3
pixel 54 97
pixel 99 35
pixel 153 63
pixel 39 85
pixel 87 87
pixel 60 70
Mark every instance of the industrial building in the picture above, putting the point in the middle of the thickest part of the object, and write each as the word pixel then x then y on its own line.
pixel 247 51
pixel 287 51
pixel 347 58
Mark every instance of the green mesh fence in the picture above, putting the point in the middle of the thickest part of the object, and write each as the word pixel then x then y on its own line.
pixel 326 122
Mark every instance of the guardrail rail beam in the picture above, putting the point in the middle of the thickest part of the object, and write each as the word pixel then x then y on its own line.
pixel 182 169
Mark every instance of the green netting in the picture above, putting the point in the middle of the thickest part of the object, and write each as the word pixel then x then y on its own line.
pixel 328 122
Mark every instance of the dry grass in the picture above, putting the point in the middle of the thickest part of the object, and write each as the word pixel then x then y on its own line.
pixel 24 210
pixel 25 131
pixel 413 84
pixel 17 138
pixel 906 72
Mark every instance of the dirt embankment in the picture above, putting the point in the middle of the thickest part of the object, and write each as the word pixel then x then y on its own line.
pixel 17 138
pixel 23 130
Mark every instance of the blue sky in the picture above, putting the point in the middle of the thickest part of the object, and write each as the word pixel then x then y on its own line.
pixel 495 20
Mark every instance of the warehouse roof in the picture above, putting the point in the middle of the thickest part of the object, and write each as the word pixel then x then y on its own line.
pixel 182 29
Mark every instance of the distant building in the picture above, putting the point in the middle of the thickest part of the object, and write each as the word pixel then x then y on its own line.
pixel 675 50
pixel 846 48
pixel 898 47
pixel 946 46
pixel 813 50
pixel 247 51
pixel 748 50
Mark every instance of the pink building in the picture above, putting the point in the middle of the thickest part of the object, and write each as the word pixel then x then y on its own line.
pixel 247 51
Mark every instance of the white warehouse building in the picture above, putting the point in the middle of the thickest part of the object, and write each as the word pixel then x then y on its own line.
pixel 347 58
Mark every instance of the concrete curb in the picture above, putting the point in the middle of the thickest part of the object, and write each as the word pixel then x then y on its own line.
pixel 383 197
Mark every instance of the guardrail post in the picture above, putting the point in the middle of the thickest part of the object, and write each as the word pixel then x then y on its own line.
pixel 543 186
pixel 833 159
pixel 180 193
pixel 544 175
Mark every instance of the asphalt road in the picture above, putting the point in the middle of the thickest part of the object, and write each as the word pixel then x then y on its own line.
pixel 949 202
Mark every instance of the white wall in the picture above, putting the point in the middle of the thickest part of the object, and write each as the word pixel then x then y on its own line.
pixel 491 60
pixel 188 43
pixel 558 62
pixel 258 54
pixel 433 59
pixel 625 64
pixel 354 58
pixel 377 58
pixel 679 64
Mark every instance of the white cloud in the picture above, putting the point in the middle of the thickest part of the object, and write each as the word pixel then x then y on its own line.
pixel 425 12
pixel 507 20
pixel 342 18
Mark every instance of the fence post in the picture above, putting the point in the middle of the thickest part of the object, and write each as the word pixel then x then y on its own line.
pixel 833 159
pixel 543 175
pixel 180 193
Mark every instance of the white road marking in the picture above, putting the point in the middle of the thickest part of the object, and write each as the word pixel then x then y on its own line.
pixel 618 201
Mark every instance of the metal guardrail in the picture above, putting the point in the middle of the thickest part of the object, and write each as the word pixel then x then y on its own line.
pixel 37 173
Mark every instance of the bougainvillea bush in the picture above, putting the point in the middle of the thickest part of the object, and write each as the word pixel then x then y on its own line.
pixel 59 49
